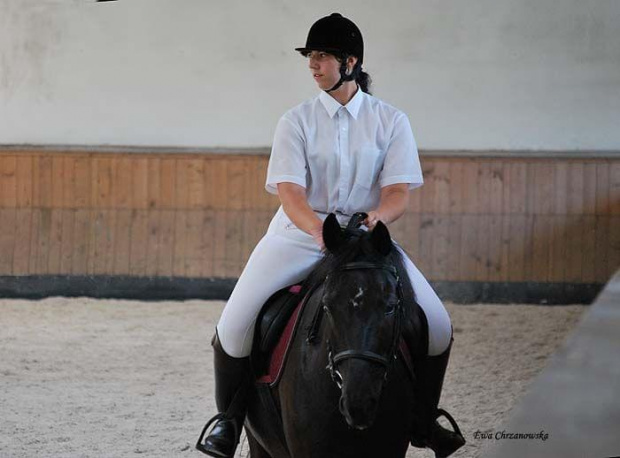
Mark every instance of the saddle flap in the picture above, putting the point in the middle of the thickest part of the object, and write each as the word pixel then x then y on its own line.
pixel 270 324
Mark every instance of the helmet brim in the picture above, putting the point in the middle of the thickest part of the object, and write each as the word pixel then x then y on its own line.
pixel 329 50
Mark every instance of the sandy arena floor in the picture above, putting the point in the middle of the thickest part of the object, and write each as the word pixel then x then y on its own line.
pixel 91 378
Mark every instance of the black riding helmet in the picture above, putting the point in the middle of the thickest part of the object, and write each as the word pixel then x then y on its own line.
pixel 339 36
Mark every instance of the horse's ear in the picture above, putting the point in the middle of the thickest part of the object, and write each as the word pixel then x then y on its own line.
pixel 380 239
pixel 332 233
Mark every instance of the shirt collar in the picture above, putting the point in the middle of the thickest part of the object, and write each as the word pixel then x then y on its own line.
pixel 332 106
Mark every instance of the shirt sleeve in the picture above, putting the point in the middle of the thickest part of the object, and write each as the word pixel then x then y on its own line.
pixel 401 164
pixel 287 163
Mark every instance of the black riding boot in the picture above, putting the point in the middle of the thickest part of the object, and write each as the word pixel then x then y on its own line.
pixel 427 432
pixel 232 380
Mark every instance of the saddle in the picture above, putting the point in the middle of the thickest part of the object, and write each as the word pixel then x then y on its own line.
pixel 273 331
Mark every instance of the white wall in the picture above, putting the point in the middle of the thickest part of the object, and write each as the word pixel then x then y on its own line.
pixel 481 74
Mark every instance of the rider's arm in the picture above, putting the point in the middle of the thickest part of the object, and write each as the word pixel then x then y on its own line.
pixel 392 204
pixel 295 204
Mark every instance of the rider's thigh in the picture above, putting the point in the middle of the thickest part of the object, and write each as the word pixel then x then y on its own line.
pixel 439 325
pixel 276 262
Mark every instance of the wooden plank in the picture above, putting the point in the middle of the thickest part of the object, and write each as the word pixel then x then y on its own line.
pixel 515 192
pixel 542 236
pixel 411 242
pixel 181 191
pixel 470 187
pixel 530 258
pixel 219 252
pixel 195 177
pixel 21 250
pixel 7 240
pixel 25 172
pixel 456 187
pixel 83 183
pixel 220 182
pixel 428 190
pixel 180 242
pixel 574 253
pixel 42 249
pixel 58 173
pixel 561 187
pixel 614 244
pixel 453 270
pixel 469 257
pixel 194 248
pixel 138 243
pixel 8 182
pixel 154 183
pixel 153 245
pixel 66 248
pixel 517 247
pixel 234 242
pixel 441 179
pixel 253 184
pixel 122 242
pixel 139 189
pixel 168 182
pixel 496 187
pixel 602 188
pixel 505 259
pixel 481 255
pixel 601 249
pixel 165 258
pixel 68 182
pixel 81 240
pixel 43 182
pixel 249 239
pixel 104 180
pixel 236 182
pixel 589 188
pixel 441 247
pixel 495 248
pixel 208 242
pixel 588 247
pixel 425 246
pixel 575 188
pixel 542 194
pixel 101 242
pixel 614 188
pixel 123 186
pixel 558 249
pixel 55 242
pixel 210 184
pixel 483 203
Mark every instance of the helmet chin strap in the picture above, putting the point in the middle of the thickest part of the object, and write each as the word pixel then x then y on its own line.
pixel 343 77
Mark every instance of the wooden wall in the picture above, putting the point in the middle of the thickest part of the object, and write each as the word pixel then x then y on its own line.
pixel 199 215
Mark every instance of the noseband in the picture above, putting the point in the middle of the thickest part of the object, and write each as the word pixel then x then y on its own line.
pixel 335 359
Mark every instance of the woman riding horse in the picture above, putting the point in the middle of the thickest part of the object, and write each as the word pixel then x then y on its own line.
pixel 341 152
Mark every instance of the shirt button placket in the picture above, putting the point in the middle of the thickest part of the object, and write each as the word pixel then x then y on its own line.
pixel 343 143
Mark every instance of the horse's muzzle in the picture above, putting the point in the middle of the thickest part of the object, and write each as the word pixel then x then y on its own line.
pixel 359 414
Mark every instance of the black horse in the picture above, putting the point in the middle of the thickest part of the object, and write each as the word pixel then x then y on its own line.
pixel 346 389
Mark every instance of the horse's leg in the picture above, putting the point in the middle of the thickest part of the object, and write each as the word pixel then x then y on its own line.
pixel 256 450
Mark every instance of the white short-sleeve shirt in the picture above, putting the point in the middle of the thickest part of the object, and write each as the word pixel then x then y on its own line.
pixel 344 155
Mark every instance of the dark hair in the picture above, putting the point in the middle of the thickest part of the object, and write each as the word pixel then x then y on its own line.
pixel 364 80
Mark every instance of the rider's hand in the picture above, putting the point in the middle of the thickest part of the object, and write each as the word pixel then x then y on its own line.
pixel 371 221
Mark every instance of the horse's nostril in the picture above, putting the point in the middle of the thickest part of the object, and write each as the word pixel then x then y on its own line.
pixel 341 406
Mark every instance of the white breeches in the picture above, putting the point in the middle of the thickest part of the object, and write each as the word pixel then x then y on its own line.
pixel 286 255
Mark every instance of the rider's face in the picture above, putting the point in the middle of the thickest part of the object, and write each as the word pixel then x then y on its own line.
pixel 325 68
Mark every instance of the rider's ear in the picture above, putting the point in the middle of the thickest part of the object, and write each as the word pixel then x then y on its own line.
pixel 332 233
pixel 381 240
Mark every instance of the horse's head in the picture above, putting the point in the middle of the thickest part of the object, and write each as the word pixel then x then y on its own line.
pixel 361 300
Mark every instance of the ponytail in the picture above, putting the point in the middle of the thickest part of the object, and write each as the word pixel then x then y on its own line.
pixel 364 80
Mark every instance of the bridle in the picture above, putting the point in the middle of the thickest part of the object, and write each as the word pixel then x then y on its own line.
pixel 335 358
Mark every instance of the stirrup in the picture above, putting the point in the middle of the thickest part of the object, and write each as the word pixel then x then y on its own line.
pixel 217 417
pixel 443 413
